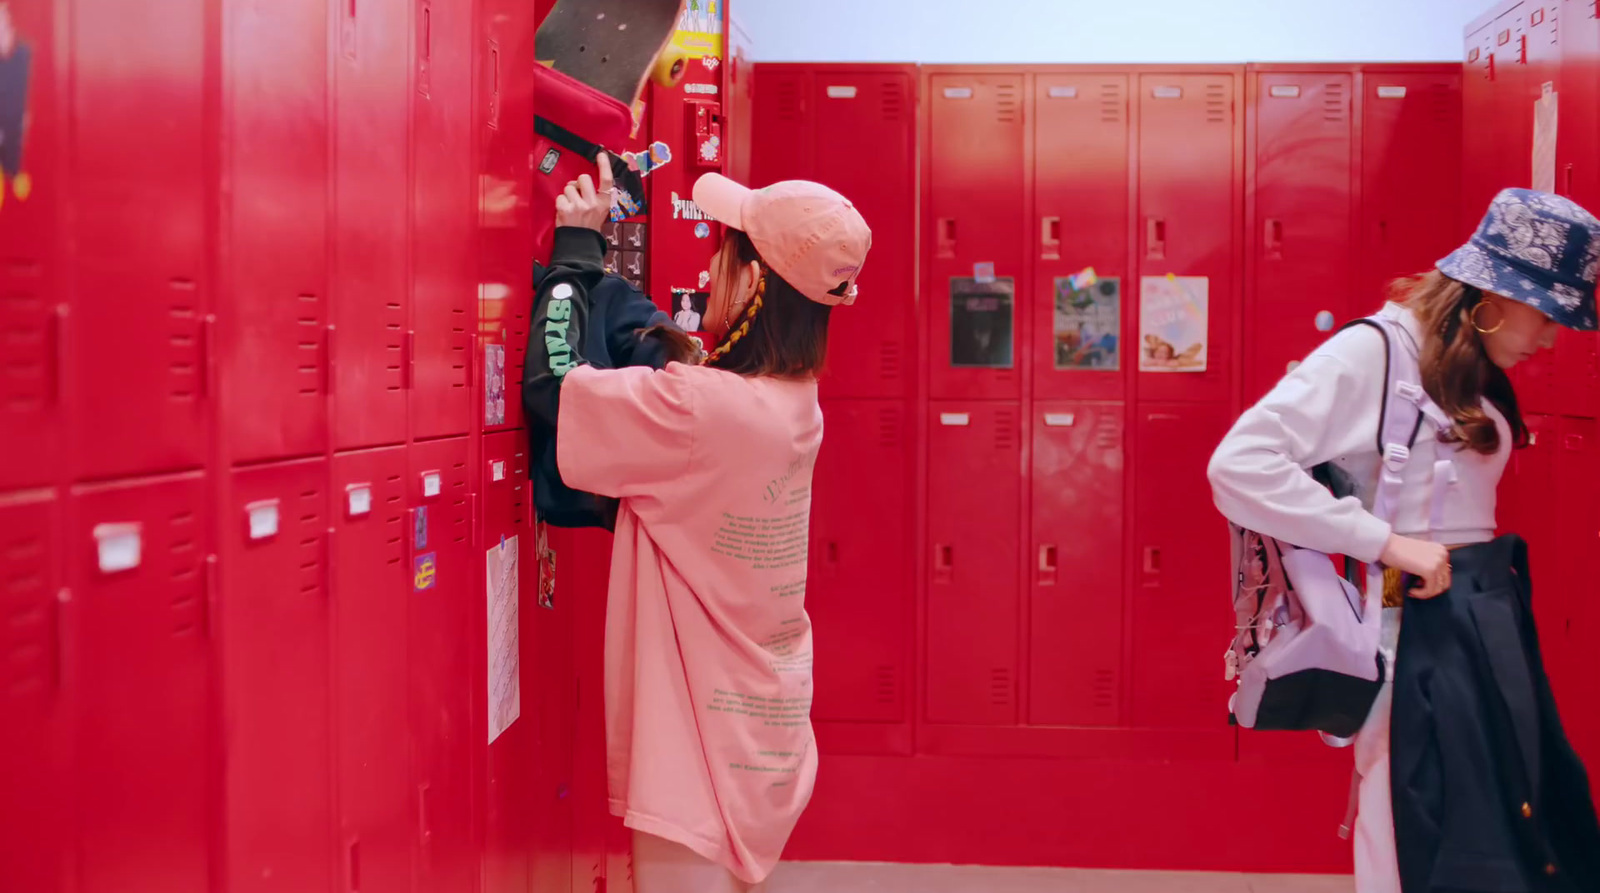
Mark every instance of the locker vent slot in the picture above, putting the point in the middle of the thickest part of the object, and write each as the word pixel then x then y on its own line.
pixel 309 515
pixel 1002 689
pixel 1107 433
pixel 1104 689
pixel 394 321
pixel 27 640
pixel 23 353
pixel 1113 103
pixel 889 433
pixel 1008 103
pixel 788 100
pixel 184 361
pixel 1444 103
pixel 894 100
pixel 888 679
pixel 1005 430
pixel 187 610
pixel 1334 102
pixel 889 361
pixel 1217 105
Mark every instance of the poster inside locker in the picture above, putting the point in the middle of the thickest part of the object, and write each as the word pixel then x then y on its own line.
pixel 981 323
pixel 1088 324
pixel 505 683
pixel 1174 315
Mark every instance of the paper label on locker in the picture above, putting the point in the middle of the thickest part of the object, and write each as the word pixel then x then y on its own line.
pixel 955 419
pixel 430 483
pixel 1284 91
pixel 1060 419
pixel 841 92
pixel 981 324
pixel 1174 323
pixel 497 470
pixel 263 518
pixel 1166 92
pixel 119 546
pixel 359 499
pixel 1088 324
pixel 494 384
pixel 505 689
pixel 1544 141
pixel 958 93
pixel 424 572
pixel 419 531
pixel 1063 92
pixel 1391 91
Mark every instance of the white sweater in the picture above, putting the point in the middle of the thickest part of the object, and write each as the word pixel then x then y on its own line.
pixel 1328 409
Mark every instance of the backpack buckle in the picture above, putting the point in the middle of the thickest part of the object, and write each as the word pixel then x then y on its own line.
pixel 1395 456
pixel 1409 391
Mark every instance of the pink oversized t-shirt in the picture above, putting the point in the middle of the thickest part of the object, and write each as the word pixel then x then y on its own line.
pixel 708 646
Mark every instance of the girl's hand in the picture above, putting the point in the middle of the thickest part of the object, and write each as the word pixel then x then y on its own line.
pixel 1429 562
pixel 584 204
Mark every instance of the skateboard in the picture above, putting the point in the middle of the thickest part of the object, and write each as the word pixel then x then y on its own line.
pixel 614 46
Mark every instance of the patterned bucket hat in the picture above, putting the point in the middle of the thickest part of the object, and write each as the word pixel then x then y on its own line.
pixel 1537 248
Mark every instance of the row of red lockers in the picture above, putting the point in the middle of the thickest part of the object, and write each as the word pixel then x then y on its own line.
pixel 998 626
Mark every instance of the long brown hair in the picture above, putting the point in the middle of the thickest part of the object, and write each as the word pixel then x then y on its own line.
pixel 1456 370
pixel 780 333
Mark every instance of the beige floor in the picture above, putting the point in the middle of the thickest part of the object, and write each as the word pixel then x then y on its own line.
pixel 812 877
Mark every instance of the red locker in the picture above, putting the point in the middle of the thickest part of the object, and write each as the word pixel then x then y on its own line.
pixel 370 582
pixel 1537 511
pixel 1081 194
pixel 275 672
pixel 870 347
pixel 859 590
pixel 370 279
pixel 976 200
pixel 512 800
pixel 1301 210
pixel 443 245
pixel 1180 571
pixel 974 505
pixel 1577 490
pixel 1481 80
pixel 1578 133
pixel 783 129
pixel 447 636
pixel 1075 621
pixel 274 306
pixel 1411 174
pixel 31 308
pixel 33 713
pixel 142 290
pixel 1188 208
pixel 139 665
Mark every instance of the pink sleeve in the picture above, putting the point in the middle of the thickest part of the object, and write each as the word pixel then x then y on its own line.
pixel 622 432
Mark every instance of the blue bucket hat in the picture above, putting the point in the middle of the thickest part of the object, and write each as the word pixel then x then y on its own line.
pixel 1537 248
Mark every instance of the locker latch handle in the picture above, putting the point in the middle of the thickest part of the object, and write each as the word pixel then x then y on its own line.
pixel 1155 238
pixel 1050 238
pixel 943 563
pixel 1273 239
pixel 945 233
pixel 830 554
pixel 1047 565
pixel 1152 559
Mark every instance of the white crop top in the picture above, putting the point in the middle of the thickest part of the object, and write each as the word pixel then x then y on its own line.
pixel 1328 409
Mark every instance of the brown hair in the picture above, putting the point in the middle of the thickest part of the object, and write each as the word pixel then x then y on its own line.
pixel 1456 370
pixel 780 333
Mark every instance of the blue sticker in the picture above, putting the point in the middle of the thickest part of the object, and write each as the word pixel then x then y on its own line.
pixel 702 230
pixel 426 570
pixel 419 536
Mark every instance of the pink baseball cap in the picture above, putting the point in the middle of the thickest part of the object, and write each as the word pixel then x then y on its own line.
pixel 807 233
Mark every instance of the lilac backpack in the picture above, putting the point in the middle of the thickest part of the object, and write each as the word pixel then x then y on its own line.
pixel 1305 652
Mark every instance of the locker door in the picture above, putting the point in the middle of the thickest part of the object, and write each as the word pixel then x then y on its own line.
pixel 1536 512
pixel 446 629
pixel 443 247
pixel 1571 559
pixel 31 310
pixel 370 583
pixel 1075 634
pixel 1303 202
pixel 859 592
pixel 1411 171
pixel 274 308
pixel 976 197
pixel 140 667
pixel 1180 555
pixel 974 500
pixel 870 342
pixel 275 671
pixel 142 290
pixel 33 720
pixel 510 815
pixel 1080 152
pixel 782 131
pixel 370 279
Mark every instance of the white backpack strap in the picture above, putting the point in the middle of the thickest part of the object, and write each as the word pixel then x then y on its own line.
pixel 1405 405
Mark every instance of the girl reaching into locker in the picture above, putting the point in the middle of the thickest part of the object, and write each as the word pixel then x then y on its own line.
pixel 708 646
pixel 1472 785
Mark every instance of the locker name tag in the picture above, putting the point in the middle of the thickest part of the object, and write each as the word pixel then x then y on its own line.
pixel 845 92
pixel 955 419
pixel 263 517
pixel 119 546
pixel 359 499
pixel 1060 419
pixel 1284 91
pixel 430 483
pixel 1391 92
pixel 1063 92
pixel 498 470
pixel 958 93
pixel 1166 92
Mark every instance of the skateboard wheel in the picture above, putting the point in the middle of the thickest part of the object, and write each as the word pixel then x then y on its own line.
pixel 670 67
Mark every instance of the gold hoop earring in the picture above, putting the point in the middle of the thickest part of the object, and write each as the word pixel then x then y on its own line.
pixel 1476 325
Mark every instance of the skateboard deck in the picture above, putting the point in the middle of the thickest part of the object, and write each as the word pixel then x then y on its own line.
pixel 613 46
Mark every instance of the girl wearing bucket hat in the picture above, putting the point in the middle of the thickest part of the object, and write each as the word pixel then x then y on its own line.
pixel 1474 727
pixel 708 647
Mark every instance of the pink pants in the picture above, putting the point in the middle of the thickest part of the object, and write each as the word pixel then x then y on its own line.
pixel 1377 869
pixel 661 866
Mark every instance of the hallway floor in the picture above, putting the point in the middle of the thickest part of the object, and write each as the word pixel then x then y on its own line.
pixel 817 877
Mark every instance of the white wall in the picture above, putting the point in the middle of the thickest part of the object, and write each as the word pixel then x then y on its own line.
pixel 1119 31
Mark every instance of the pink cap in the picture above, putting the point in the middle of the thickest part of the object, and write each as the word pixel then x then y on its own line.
pixel 807 233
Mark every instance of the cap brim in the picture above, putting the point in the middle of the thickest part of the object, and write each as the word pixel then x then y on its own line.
pixel 722 199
